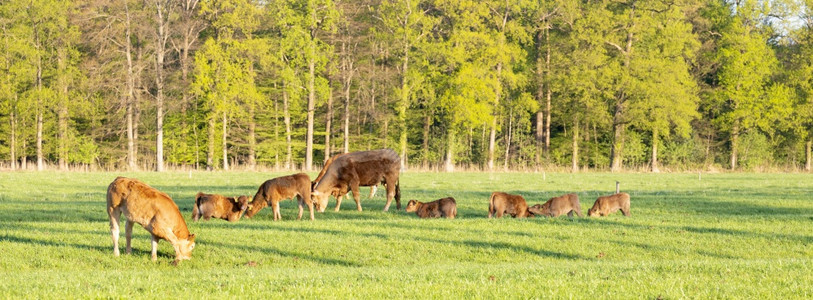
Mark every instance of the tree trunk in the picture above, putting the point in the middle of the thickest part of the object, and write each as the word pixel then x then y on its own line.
pixel 252 139
pixel 13 138
pixel 575 157
pixel 225 145
pixel 493 135
pixel 210 155
pixel 426 125
pixel 160 49
pixel 450 136
pixel 347 118
pixel 328 123
pixel 619 125
pixel 655 151
pixel 547 93
pixel 735 136
pixel 286 118
pixel 540 96
pixel 311 105
pixel 808 154
pixel 40 104
pixel 62 113
pixel 404 103
pixel 508 139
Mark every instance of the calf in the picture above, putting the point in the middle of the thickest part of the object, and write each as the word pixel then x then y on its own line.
pixel 557 206
pixel 606 205
pixel 501 203
pixel 153 210
pixel 282 188
pixel 442 208
pixel 217 206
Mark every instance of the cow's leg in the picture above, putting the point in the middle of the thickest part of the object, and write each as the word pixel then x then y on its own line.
pixel 128 236
pixel 154 251
pixel 578 211
pixel 301 204
pixel 338 203
pixel 373 190
pixel 390 194
pixel 114 229
pixel 310 208
pixel 277 213
pixel 354 186
pixel 626 211
pixel 499 213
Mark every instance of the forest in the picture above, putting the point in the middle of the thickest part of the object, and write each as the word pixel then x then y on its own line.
pixel 605 85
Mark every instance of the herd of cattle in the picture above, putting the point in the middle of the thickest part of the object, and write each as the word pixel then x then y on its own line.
pixel 343 173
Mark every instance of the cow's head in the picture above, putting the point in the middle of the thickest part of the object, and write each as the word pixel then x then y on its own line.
pixel 412 206
pixel 255 205
pixel 320 200
pixel 184 248
pixel 593 211
pixel 535 210
pixel 242 203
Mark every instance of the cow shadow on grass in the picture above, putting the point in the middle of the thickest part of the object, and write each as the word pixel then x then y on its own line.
pixel 48 243
pixel 284 253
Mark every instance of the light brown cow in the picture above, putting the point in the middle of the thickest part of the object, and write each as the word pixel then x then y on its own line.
pixel 282 188
pixel 153 210
pixel 606 205
pixel 363 168
pixel 441 208
pixel 337 192
pixel 557 206
pixel 501 203
pixel 217 206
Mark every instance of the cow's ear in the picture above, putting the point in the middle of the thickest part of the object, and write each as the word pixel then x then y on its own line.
pixel 192 238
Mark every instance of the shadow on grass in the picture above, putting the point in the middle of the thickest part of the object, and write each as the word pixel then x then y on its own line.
pixel 47 243
pixel 290 254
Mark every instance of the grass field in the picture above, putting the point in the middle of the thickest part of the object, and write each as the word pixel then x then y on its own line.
pixel 725 236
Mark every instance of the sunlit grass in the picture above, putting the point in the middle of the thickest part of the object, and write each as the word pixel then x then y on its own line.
pixel 725 236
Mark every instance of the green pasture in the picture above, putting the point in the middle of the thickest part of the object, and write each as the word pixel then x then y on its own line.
pixel 722 236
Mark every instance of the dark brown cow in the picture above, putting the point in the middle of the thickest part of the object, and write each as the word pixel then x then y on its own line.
pixel 606 205
pixel 501 203
pixel 282 188
pixel 216 206
pixel 153 210
pixel 441 208
pixel 557 206
pixel 364 168
pixel 337 192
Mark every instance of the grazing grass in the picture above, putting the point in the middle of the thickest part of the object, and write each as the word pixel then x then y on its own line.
pixel 725 236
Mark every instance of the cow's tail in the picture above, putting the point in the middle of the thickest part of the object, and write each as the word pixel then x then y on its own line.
pixel 195 209
pixel 398 194
pixel 491 205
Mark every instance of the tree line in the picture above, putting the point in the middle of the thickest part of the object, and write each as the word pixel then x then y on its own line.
pixel 495 84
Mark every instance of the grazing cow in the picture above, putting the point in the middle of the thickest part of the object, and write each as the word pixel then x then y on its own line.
pixel 442 208
pixel 501 203
pixel 217 206
pixel 606 205
pixel 364 168
pixel 336 192
pixel 153 210
pixel 282 188
pixel 557 206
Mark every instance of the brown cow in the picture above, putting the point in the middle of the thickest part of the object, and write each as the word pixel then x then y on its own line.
pixel 337 192
pixel 153 210
pixel 282 188
pixel 501 203
pixel 364 168
pixel 609 204
pixel 442 208
pixel 217 206
pixel 557 206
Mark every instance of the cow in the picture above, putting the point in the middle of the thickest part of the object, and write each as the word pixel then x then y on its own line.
pixel 609 204
pixel 501 203
pixel 336 192
pixel 363 168
pixel 557 206
pixel 153 210
pixel 282 188
pixel 441 208
pixel 217 206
